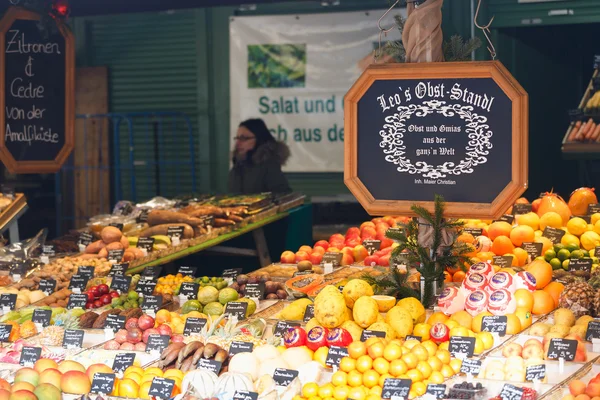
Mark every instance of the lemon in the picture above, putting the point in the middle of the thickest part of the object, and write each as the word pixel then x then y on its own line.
pixel 570 239
pixel 577 226
pixel 597 225
pixel 414 307
pixel 385 303
pixel 355 289
pixel 551 219
pixel 589 240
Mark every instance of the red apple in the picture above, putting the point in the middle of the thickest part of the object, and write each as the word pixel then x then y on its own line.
pixel 348 250
pixel 347 260
pixel 145 322
pixel 177 338
pixel 322 243
pixel 148 332
pixel 535 205
pixel 301 256
pixel 337 245
pixel 288 257
pixel 319 250
pixel 386 242
pixel 368 231
pixel 336 237
pixel 371 261
pixel 389 220
pixel 306 249
pixel 365 224
pixel 377 220
pixel 134 335
pixel 360 253
pixel 316 258
pixel 165 329
pixel 353 242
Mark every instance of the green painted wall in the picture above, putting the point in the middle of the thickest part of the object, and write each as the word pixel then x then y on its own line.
pixel 179 61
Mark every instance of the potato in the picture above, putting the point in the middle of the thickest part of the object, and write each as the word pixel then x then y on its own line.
pixel 111 234
pixel 103 253
pixel 95 247
pixel 129 255
pixel 124 242
pixel 138 252
pixel 114 246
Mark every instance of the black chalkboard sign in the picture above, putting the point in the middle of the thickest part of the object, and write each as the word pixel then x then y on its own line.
pixel 461 345
pixel 47 286
pixel 580 264
pixel 282 327
pixel 38 86
pixel 394 388
pixel 535 372
pixel 453 131
pixel 256 290
pixel 511 392
pixel 283 376
pixel 533 249
pixel 153 303
pixel 114 322
pixel 29 355
pixel 496 323
pixel 73 338
pixel 367 334
pixel 77 301
pixel 520 208
pixel 78 282
pixel 470 366
pixel 115 255
pixel 554 234
pixel 41 316
pixel 118 269
pixel 121 283
pixel 309 312
pixel 231 273
pixel 86 270
pixel 146 243
pixel 150 273
pixel 8 301
pixel 189 290
pixel 236 308
pixel 240 347
pixel 157 343
pixel 161 388
pixel 413 337
pixel 187 271
pixel 245 395
pixel 372 245
pixel 210 365
pixel 103 383
pixel 193 325
pixel 335 355
pixel 562 348
pixel 436 390
pixel 145 287
pixel 5 332
pixel 593 331
pixel 123 361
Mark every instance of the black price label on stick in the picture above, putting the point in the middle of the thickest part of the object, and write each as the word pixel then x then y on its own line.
pixel 507 218
pixel 497 324
pixel 77 301
pixel 335 355
pixel 145 287
pixel 511 392
pixel 535 372
pixel 118 269
pixel 283 376
pixel 73 339
pixel 153 303
pixel 47 286
pixel 29 355
pixel 161 388
pixel 194 325
pixel 121 283
pixel 151 272
pixel 576 114
pixel 333 258
pixel 474 231
pixel 256 290
pixel 115 255
pixel 461 346
pixel 470 366
pixel 189 290
pixel 143 217
pixel 157 343
pixel 554 234
pixel 187 271
pixel 85 238
pixel 86 270
pixel 8 301
pixel 123 361
pixel 117 225
pixel 245 395
pixel 580 264
pixel 593 331
pixel 309 312
pixel 394 387
pixel 534 249
pixel 562 348
pixel 103 383
pixel 114 322
pixel 502 261
pixel 48 250
pixel 282 327
pixel 236 308
pixel 41 316
pixel 519 208
pixel 436 390
pixel 175 232
pixel 240 347
pixel 413 337
pixel 210 365
pixel 231 273
pixel 146 243
pixel 5 331
pixel 593 208
pixel 78 282
pixel 366 334
pixel 372 245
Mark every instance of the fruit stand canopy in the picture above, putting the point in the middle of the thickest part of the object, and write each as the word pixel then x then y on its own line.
pixel 97 7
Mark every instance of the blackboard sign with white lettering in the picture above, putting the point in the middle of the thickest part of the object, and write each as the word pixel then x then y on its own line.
pixel 438 130
pixel 36 124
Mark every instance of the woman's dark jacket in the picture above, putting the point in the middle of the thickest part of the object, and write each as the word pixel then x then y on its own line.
pixel 261 171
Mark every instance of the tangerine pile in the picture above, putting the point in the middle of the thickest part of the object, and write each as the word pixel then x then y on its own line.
pixel 136 381
pixel 362 374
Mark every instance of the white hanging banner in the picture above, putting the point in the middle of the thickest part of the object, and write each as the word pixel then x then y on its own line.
pixel 294 70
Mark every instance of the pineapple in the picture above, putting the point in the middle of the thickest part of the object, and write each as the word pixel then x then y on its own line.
pixel 595 283
pixel 579 297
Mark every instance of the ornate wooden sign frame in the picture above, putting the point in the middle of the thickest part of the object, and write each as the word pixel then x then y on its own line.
pixel 28 167
pixel 448 70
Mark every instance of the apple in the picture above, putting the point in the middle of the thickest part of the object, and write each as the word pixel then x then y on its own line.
pixel 369 224
pixel 319 249
pixel 360 253
pixel 386 243
pixel 103 289
pixel 439 333
pixel 368 232
pixel 336 237
pixel 301 256
pixel 145 322
pixel 353 231
pixel 389 220
pixel 148 332
pixel 348 250
pixel 577 387
pixel 131 323
pixel 377 220
pixel 381 227
pixel 384 261
pixel 177 338
pixel 165 329
pixel 353 242
pixel 306 249
pixel 337 245
pixel 533 351
pixel 533 342
pixel 316 257
pixel 371 261
pixel 512 349
pixel 593 389
pixel 322 243
pixel 334 250
pixel 347 260
pixel 535 205
pixel 98 303
pixel 288 257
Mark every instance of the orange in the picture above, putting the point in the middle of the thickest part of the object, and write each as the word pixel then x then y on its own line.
pixel 458 276
pixel 436 317
pixel 513 324
pixel 383 377
pixel 310 389
pixel 524 299
pixel 133 368
pixel 502 245
pixel 381 365
pixel 357 349
pixel 134 376
pixel 339 378
pixel 546 243
pixel 486 256
pixel 376 350
pixel 414 375
pixel 356 393
pixel 435 363
pixel 128 388
pixel 341 393
pixel 370 378
pixel 419 388
pixel 476 323
pixel 447 371
pixel 422 330
pixel 541 271
pixel 465 237
pixel 444 356
pixel 430 346
pixel 376 390
pixel 463 318
pixel 397 368
pixel 447 277
pixel 499 228
pixel 372 340
pixel 543 302
pixel 364 363
pixel 521 256
pixel 144 389
pixel 162 316
pixel 411 360
pixel 347 364
pixel 421 352
pixel 524 316
pixel 115 391
pixel 555 289
pixel 522 233
pixel 326 391
pixel 354 378
pixel 392 352
pixel 425 369
pixel 455 364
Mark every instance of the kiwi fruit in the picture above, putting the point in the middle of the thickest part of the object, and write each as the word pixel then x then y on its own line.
pixel 304 265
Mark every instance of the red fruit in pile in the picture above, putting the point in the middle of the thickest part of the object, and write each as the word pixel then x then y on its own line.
pixel 149 332
pixel 131 323
pixel 134 335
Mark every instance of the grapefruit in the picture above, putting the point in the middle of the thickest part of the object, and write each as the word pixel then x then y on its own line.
pixel 530 219
pixel 499 228
pixel 555 289
pixel 520 234
pixel 552 219
pixel 524 299
pixel 541 271
pixel 502 245
pixel 543 303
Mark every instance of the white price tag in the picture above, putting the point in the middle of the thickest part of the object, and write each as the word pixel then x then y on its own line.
pixel 81 247
pixel 182 299
pixel 76 290
pixel 5 310
pixel 151 313
pixel 175 241
pixel 108 334
pixel 144 251
pixel 595 345
pixel 327 268
pixel 38 326
pixel 561 365
pixel 45 259
pixel 16 278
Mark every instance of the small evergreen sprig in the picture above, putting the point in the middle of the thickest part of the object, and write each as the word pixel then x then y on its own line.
pixel 394 283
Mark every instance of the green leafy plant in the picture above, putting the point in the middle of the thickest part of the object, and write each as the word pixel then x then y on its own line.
pixel 394 283
pixel 276 65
